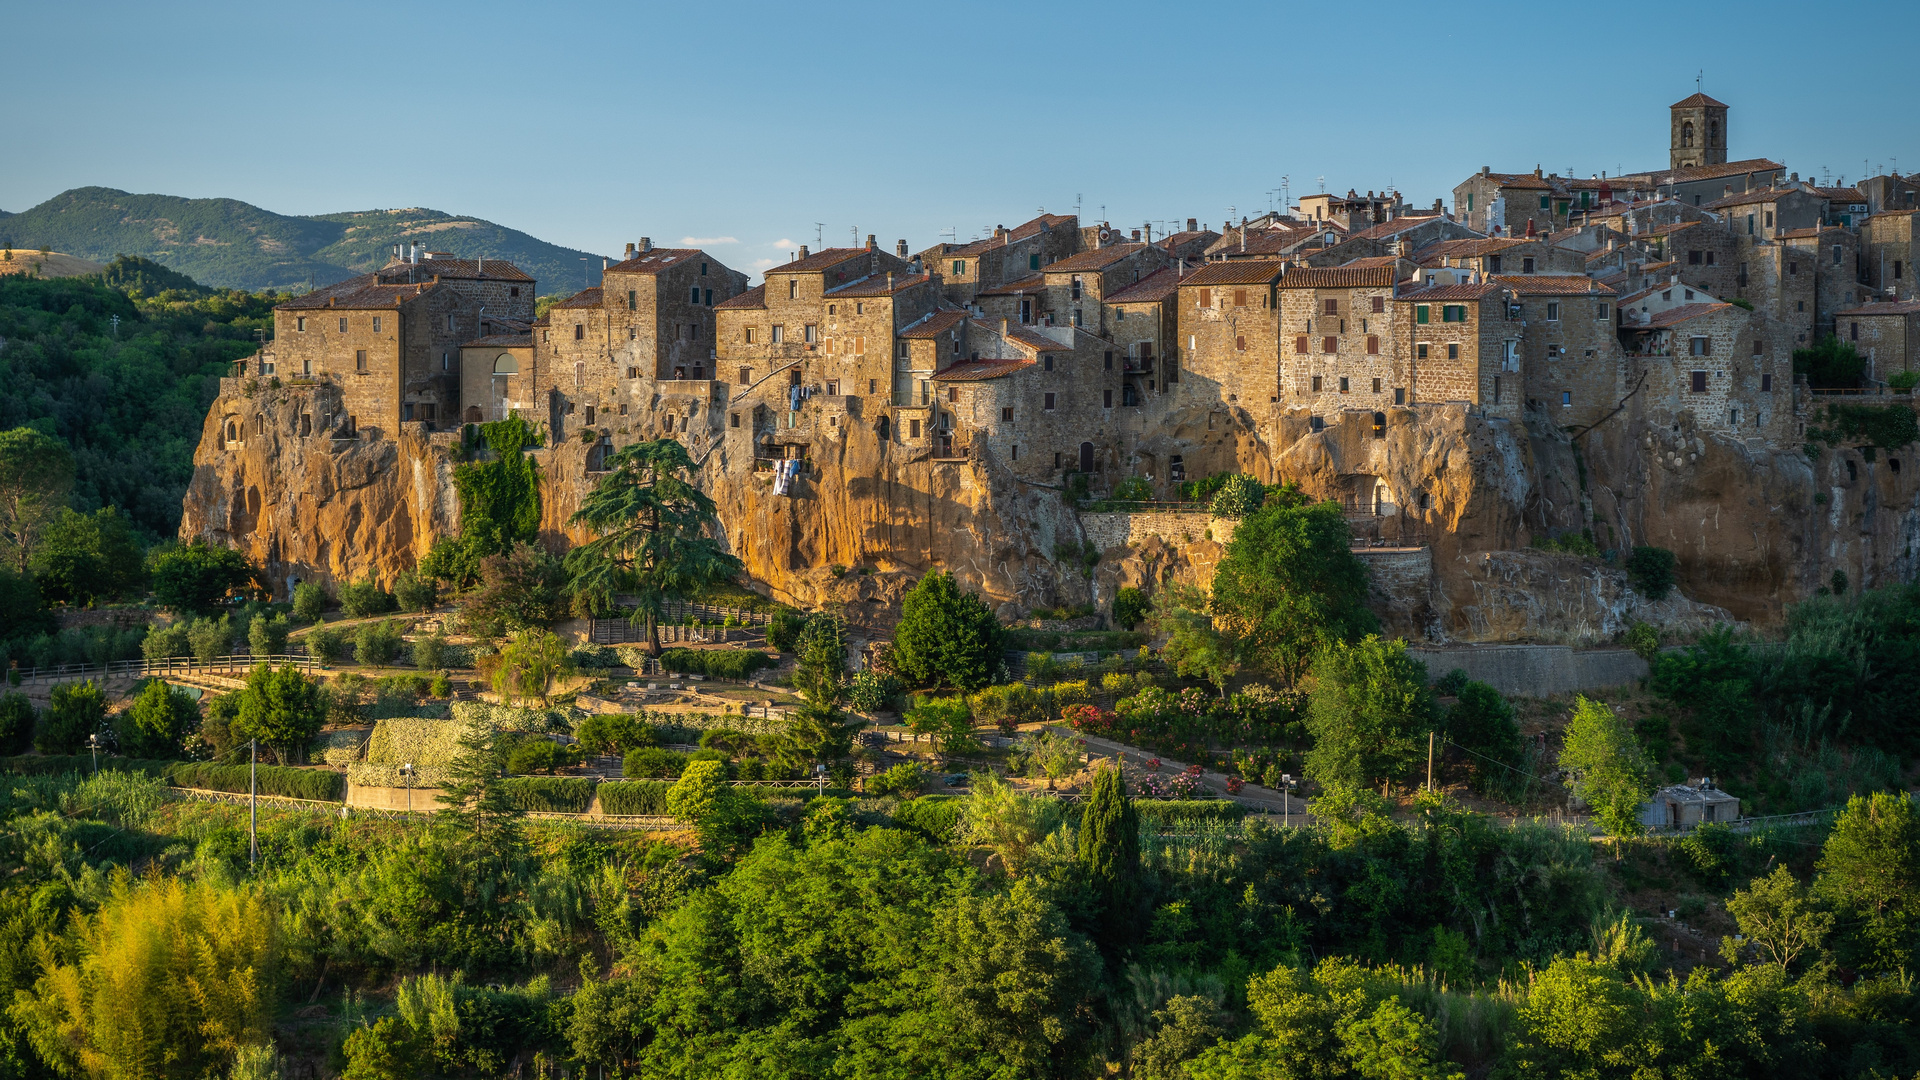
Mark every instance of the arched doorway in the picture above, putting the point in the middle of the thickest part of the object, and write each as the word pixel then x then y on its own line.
pixel 1086 457
pixel 504 368
pixel 885 428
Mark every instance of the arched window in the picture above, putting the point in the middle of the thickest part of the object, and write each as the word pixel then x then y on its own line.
pixel 1713 133
pixel 1686 133
pixel 505 364
pixel 579 374
pixel 1379 425
pixel 885 428
pixel 1086 457
pixel 474 415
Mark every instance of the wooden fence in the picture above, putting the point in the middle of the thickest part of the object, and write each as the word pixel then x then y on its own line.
pixel 236 665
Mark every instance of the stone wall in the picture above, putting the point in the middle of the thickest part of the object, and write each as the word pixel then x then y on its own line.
pixel 1177 528
pixel 1536 670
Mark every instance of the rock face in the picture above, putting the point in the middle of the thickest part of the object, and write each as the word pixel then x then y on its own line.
pixel 1753 529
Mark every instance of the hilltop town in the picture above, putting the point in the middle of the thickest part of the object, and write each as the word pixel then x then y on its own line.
pixel 1607 357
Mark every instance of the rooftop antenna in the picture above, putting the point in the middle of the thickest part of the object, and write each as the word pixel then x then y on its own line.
pixel 1698 76
pixel 584 271
pixel 1286 195
pixel 818 239
pixel 1076 205
pixel 1323 184
pixel 855 230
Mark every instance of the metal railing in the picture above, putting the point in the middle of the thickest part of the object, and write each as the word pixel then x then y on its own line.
pixel 237 664
pixel 1141 506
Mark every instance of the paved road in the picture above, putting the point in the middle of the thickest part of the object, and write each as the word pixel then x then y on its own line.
pixel 1257 797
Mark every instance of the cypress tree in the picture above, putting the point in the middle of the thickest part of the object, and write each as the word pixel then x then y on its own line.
pixel 1110 852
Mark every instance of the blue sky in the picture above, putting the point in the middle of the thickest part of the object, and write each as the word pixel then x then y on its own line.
pixel 741 125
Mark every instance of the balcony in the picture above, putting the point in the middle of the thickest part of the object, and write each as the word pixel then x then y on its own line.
pixel 1138 365
pixel 913 399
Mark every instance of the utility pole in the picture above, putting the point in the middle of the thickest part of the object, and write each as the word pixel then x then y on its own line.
pixel 253 801
pixel 1429 761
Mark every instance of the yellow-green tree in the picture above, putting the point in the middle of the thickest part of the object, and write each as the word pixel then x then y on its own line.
pixel 168 978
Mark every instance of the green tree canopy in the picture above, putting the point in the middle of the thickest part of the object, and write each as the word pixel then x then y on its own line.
pixel 36 472
pixel 281 708
pixel 83 558
pixel 1610 769
pixel 947 636
pixel 1369 712
pixel 196 578
pixel 1289 585
pixel 75 711
pixel 651 529
pixel 1870 874
pixel 158 722
pixel 520 589
pixel 1830 363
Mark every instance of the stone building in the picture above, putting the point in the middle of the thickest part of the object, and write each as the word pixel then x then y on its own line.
pixel 1699 133
pixel 1341 347
pixel 1464 346
pixel 1888 244
pixel 1008 255
pixel 1569 349
pixel 1886 333
pixel 1227 329
pixel 1730 368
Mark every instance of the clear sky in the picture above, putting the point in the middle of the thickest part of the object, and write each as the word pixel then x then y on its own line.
pixel 742 125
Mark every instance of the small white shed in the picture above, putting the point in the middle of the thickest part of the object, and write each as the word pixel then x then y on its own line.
pixel 1683 806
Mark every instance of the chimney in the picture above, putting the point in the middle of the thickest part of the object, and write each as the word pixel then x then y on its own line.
pixel 1003 326
pixel 1486 170
pixel 916 268
pixel 1192 226
pixel 1536 172
pixel 1149 228
pixel 629 250
pixel 803 251
pixel 889 281
pixel 646 243
pixel 1136 236
pixel 871 246
pixel 900 248
pixel 1438 206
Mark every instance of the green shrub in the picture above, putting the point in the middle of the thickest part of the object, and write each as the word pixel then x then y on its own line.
pixel 902 780
pixel 614 733
pixel 377 643
pixel 17 716
pixel 415 592
pixel 937 816
pixel 536 755
pixel 1070 693
pixel 648 761
pixel 1134 489
pixel 363 598
pixel 211 638
pixel 594 656
pixel 549 794
pixel 1239 495
pixel 268 637
pixel 440 686
pixel 1904 380
pixel 1167 811
pixel 870 691
pixel 1650 570
pixel 1644 639
pixel 165 642
pixel 733 664
pixel 1452 683
pixel 783 629
pixel 323 785
pixel 75 712
pixel 634 797
pixel 430 651
pixel 79 764
pixel 1130 605
pixel 309 602
pixel 327 645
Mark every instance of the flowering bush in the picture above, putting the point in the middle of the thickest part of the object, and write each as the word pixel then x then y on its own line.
pixel 1091 719
pixel 1178 786
pixel 512 717
pixel 1153 764
pixel 1234 785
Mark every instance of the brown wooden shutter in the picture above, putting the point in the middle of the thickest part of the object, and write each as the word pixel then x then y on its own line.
pixel 1373 344
pixel 1300 344
pixel 1330 345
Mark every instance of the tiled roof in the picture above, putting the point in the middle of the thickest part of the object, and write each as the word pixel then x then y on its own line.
pixel 1669 230
pixel 1032 283
pixel 425 269
pixel 1338 277
pixel 1179 238
pixel 876 285
pixel 1013 235
pixel 980 370
pixel 1749 198
pixel 1698 101
pixel 1097 259
pixel 1394 227
pixel 1805 234
pixel 652 262
pixel 1026 337
pixel 755 297
pixel 934 325
pixel 585 298
pixel 355 293
pixel 1552 284
pixel 1236 272
pixel 1840 194
pixel 1520 180
pixel 1886 307
pixel 1372 262
pixel 1155 287
pixel 1449 292
pixel 1675 316
pixel 1649 268
pixel 499 341
pixel 1468 249
pixel 1714 172
pixel 818 261
pixel 1267 242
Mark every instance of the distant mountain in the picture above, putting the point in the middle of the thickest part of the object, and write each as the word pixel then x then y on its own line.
pixel 231 244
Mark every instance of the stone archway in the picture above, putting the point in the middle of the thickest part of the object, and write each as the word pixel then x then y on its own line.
pixel 505 367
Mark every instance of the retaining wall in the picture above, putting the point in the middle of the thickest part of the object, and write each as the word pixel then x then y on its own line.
pixel 1536 670
pixel 391 798
pixel 1178 528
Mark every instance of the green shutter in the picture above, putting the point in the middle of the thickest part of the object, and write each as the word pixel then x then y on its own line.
pixel 1469 202
pixel 1420 314
pixel 1543 202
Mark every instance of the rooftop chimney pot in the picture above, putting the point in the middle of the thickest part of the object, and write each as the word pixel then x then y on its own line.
pixel 646 243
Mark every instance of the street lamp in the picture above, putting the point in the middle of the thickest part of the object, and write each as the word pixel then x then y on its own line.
pixel 407 771
pixel 1286 798
pixel 93 744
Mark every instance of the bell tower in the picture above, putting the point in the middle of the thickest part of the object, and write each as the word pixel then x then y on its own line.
pixel 1699 132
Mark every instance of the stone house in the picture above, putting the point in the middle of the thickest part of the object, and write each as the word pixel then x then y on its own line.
pixel 1730 367
pixel 1352 212
pixel 1889 192
pixel 1832 254
pixel 1502 255
pixel 1845 206
pixel 1190 243
pixel 1886 333
pixel 1141 324
pixel 1341 346
pixel 1044 400
pixel 1009 254
pixel 1400 237
pixel 1227 335
pixel 1889 244
pixel 1464 346
pixel 1769 211
pixel 1683 806
pixel 1569 350
pixel 1078 285
pixel 496 377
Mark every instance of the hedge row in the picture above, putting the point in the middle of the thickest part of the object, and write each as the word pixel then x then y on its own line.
pixel 549 794
pixel 48 764
pixel 736 664
pixel 323 785
pixel 938 816
pixel 634 797
pixel 1162 811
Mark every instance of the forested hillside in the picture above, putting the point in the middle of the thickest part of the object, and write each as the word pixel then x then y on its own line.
pixel 232 244
pixel 127 400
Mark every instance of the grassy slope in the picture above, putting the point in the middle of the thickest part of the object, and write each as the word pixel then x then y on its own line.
pixel 232 244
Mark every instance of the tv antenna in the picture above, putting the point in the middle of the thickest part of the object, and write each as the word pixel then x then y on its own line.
pixel 1323 184
pixel 819 234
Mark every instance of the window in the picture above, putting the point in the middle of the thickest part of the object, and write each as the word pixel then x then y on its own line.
pixel 1006 414
pixel 1373 346
pixel 1454 313
pixel 811 334
pixel 1379 304
pixel 1300 343
pixel 343 325
pixel 959 268
pixel 1757 346
pixel 703 269
pixel 709 300
pixel 1836 255
pixel 873 386
pixel 793 288
pixel 859 308
pixel 1689 293
pixel 693 295
pixel 1553 311
pixel 1566 399
pixel 1766 383
pixel 1420 351
pixel 1330 307
pixel 300 324
pixel 1379 425
pixel 1854 331
pixel 446 360
pixel 749 334
pixel 1206 297
pixel 833 388
pixel 360 360
pixel 1376 386
pixel 1699 382
pixel 1107 398
pixel 579 374
pixel 579 331
pixel 1016 451
pixel 1496 388
pixel 1239 298
pixel 953 395
pixel 1601 312
pixel 1793 268
pixel 515 291
pixel 1049 402
pixel 913 429
pixel 778 334
pixel 633 301
pixel 1033 262
pixel 1329 344
pixel 1343 384
pixel 1316 384
pixel 1493 264
pixel 1240 343
pixel 1749 224
pixel 306 424
pixel 623 409
pixel 859 346
pixel 589 416
pixel 1075 291
pixel 1453 350
pixel 1109 359
pixel 1399 395
pixel 1544 202
pixel 1896 269
pixel 1076 316
pixel 376 323
pixel 1693 258
pixel 1046 362
pixel 1526 266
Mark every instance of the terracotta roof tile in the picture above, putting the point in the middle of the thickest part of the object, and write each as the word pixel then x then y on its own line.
pixel 1698 101
pixel 1469 249
pixel 1714 172
pixel 1449 292
pixel 356 293
pixel 1750 198
pixel 1155 287
pixel 652 262
pixel 500 341
pixel 818 261
pixel 876 285
pixel 1097 259
pixel 1236 272
pixel 1886 307
pixel 980 370
pixel 934 325
pixel 585 298
pixel 425 269
pixel 1177 239
pixel 1338 277
pixel 1552 284
pixel 1840 194
pixel 1394 227
pixel 1032 283
pixel 1662 320
pixel 755 297
pixel 1015 235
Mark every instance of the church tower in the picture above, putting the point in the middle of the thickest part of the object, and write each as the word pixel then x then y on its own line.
pixel 1699 132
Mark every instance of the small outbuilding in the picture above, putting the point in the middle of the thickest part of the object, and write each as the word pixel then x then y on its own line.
pixel 1683 806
